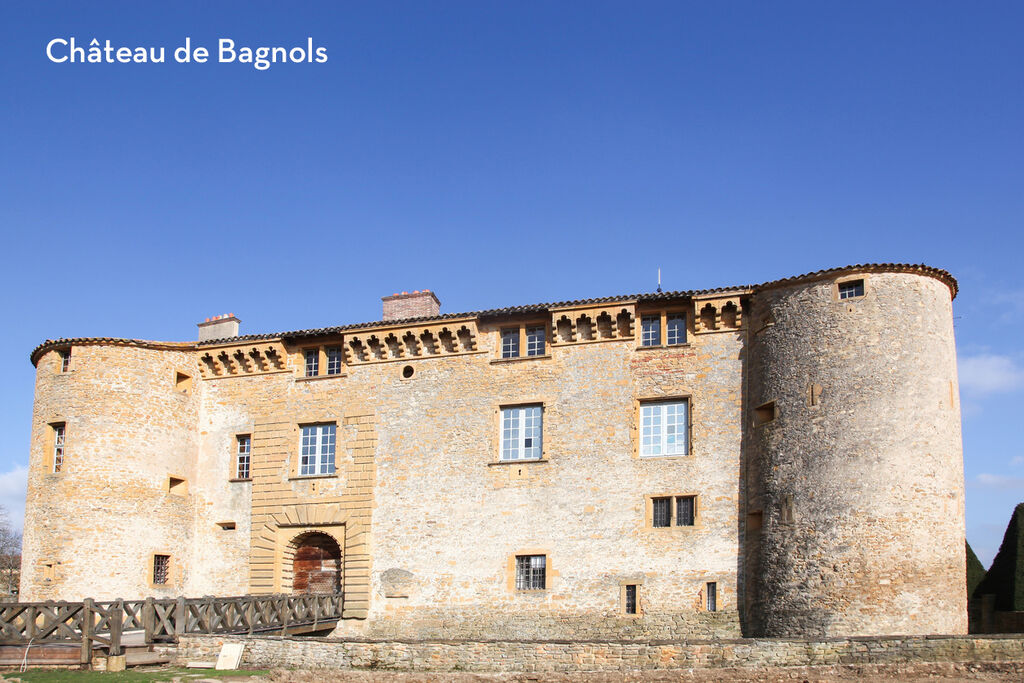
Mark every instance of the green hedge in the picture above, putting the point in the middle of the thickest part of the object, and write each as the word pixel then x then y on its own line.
pixel 1005 578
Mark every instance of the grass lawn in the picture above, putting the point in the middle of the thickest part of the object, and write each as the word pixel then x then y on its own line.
pixel 133 675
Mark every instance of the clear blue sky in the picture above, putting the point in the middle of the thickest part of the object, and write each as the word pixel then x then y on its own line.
pixel 506 153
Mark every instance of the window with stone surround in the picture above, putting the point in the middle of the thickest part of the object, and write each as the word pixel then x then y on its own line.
pixel 243 451
pixel 161 569
pixel 711 599
pixel 510 342
pixel 65 359
pixel 333 360
pixel 521 432
pixel 669 511
pixel 630 598
pixel 665 428
pixel 531 572
pixel 312 362
pixel 527 340
pixel 667 325
pixel 851 289
pixel 58 446
pixel 317 449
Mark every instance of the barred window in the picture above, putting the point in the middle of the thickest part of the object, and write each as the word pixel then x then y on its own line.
pixel 664 428
pixel 712 601
pixel 161 565
pixel 851 289
pixel 333 360
pixel 312 362
pixel 65 360
pixel 631 591
pixel 675 329
pixel 531 572
pixel 317 455
pixel 521 429
pixel 661 509
pixel 685 510
pixel 535 341
pixel 650 330
pixel 242 459
pixel 58 446
pixel 510 342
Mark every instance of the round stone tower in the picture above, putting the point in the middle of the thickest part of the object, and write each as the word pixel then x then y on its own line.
pixel 854 487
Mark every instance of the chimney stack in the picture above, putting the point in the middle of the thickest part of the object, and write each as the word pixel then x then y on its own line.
pixel 411 305
pixel 219 327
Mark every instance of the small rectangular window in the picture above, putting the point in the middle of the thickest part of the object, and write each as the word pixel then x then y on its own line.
pixel 712 601
pixel 177 486
pixel 675 329
pixel 242 456
pixel 510 342
pixel 631 595
pixel 183 382
pixel 664 428
pixel 58 446
pixel 333 360
pixel 685 510
pixel 312 362
pixel 531 572
pixel 851 289
pixel 650 330
pixel 661 510
pixel 521 432
pixel 65 359
pixel 535 341
pixel 317 454
pixel 764 414
pixel 161 567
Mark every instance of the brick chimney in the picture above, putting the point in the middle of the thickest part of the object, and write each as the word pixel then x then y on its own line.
pixel 411 305
pixel 219 327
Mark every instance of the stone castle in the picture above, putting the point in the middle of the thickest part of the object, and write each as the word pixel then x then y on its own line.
pixel 780 459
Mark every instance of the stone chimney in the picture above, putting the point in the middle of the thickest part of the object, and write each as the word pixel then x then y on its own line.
pixel 411 305
pixel 219 327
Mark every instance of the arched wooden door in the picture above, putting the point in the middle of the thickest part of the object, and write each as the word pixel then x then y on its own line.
pixel 316 567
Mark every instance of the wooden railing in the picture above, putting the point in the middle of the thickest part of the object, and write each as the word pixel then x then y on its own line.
pixel 163 620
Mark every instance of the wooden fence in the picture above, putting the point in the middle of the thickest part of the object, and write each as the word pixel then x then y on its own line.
pixel 105 623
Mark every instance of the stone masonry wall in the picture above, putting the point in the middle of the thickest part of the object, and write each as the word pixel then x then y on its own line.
pixel 610 656
pixel 857 482
pixel 92 528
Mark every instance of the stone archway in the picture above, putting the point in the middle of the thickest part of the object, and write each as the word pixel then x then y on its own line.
pixel 316 563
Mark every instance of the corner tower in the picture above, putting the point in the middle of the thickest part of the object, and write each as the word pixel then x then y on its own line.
pixel 853 460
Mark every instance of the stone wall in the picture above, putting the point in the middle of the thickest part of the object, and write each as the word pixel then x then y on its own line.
pixel 553 656
pixel 855 491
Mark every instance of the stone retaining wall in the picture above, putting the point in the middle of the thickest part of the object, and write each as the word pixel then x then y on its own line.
pixel 555 656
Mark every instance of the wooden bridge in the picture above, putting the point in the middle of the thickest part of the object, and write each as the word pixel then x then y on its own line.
pixel 69 631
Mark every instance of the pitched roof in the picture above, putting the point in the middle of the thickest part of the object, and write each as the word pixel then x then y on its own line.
pixel 937 273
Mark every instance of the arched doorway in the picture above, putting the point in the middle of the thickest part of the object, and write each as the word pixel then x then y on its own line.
pixel 316 564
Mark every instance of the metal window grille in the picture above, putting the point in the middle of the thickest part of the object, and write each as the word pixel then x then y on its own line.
pixel 531 572
pixel 712 601
pixel 685 510
pixel 661 509
pixel 535 341
pixel 317 454
pixel 675 332
pixel 521 429
pixel 664 428
pixel 244 452
pixel 510 343
pixel 58 447
pixel 631 599
pixel 650 330
pixel 334 360
pixel 851 290
pixel 161 565
pixel 65 360
pixel 312 362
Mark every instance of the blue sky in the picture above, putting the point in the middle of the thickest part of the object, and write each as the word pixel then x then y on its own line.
pixel 506 153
